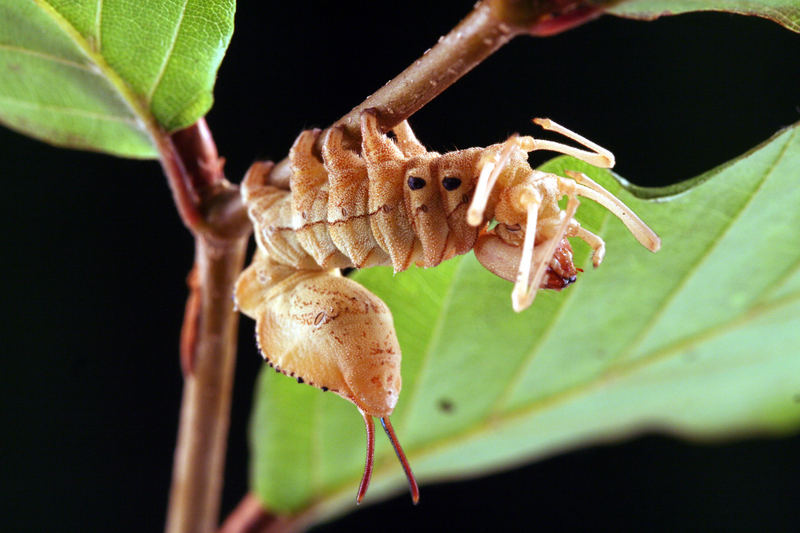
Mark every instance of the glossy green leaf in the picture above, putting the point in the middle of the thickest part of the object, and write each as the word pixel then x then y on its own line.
pixel 699 339
pixel 106 75
pixel 784 12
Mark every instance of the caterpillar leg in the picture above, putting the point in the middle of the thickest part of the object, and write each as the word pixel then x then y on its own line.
pixel 597 155
pixel 493 165
pixel 526 287
pixel 542 259
pixel 348 211
pixel 589 188
pixel 377 148
pixel 386 168
pixel 407 141
pixel 597 244
pixel 497 161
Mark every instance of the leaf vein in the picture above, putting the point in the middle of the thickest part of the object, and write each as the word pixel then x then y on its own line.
pixel 69 111
pixel 167 56
pixel 49 57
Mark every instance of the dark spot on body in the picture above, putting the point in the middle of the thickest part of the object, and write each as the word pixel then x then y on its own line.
pixel 465 199
pixel 299 379
pixel 423 208
pixel 446 405
pixel 386 208
pixel 416 183
pixel 344 212
pixel 324 389
pixel 451 183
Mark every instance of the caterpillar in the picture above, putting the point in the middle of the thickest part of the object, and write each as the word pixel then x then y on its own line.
pixel 395 203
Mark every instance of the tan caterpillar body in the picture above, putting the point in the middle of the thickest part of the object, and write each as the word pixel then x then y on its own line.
pixel 395 203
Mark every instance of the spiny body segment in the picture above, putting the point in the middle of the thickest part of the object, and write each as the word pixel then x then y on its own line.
pixel 396 204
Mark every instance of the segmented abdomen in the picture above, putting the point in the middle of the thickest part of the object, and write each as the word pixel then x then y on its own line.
pixel 362 211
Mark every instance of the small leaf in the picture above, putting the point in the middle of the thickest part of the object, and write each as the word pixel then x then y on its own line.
pixel 699 339
pixel 107 75
pixel 784 12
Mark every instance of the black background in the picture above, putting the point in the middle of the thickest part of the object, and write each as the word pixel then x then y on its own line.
pixel 94 261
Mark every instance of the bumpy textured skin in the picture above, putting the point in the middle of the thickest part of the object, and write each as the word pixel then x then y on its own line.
pixel 394 204
pixel 352 210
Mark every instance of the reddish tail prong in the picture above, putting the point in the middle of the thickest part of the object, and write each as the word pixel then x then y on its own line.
pixel 401 456
pixel 362 488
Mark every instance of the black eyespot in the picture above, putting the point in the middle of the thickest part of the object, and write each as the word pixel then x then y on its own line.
pixel 451 184
pixel 415 183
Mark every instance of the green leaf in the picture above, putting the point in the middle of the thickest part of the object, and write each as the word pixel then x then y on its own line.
pixel 699 340
pixel 108 76
pixel 784 12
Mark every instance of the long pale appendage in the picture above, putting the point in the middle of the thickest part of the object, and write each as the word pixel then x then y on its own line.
pixel 401 456
pixel 489 173
pixel 525 289
pixel 597 156
pixel 597 244
pixel 370 426
pixel 521 287
pixel 588 188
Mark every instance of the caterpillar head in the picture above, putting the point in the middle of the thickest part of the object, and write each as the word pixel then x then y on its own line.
pixel 529 245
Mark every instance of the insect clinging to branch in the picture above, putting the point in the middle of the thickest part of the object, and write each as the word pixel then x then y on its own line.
pixel 395 203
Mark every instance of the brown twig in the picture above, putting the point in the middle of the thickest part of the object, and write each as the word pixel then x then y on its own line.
pixel 490 25
pixel 202 436
pixel 210 207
